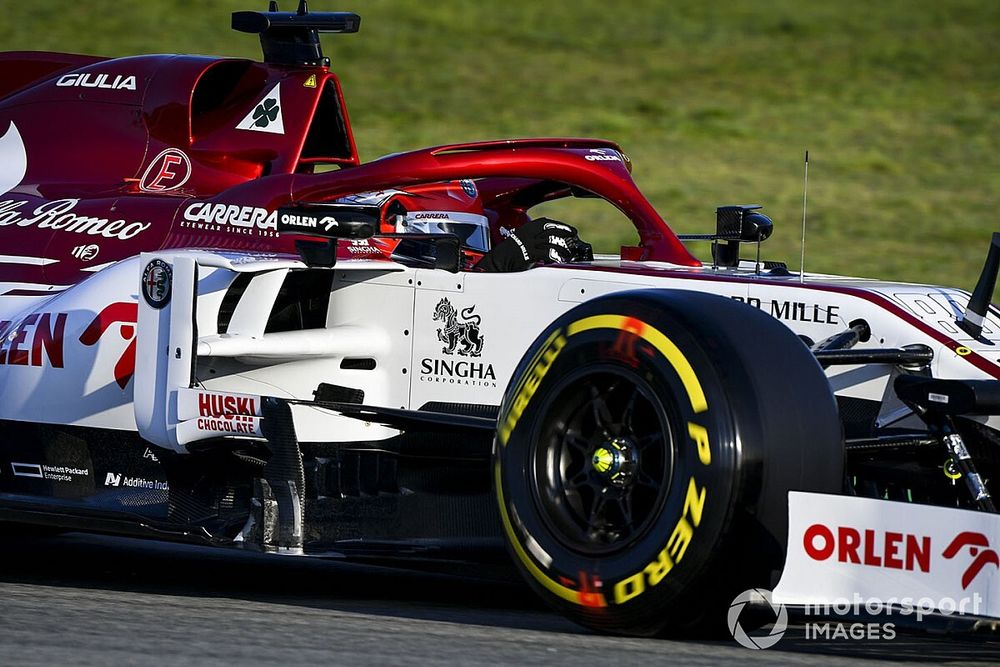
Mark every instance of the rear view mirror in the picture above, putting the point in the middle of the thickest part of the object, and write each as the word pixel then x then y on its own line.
pixel 331 221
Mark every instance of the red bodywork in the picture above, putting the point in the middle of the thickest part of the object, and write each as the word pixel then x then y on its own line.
pixel 148 148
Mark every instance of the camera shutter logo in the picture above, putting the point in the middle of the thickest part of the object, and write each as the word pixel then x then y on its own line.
pixel 741 636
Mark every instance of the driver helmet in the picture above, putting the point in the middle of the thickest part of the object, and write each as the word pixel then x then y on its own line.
pixel 453 207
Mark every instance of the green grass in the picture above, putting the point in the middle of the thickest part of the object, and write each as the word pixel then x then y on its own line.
pixel 714 101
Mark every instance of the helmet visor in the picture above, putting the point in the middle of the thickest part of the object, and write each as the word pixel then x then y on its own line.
pixel 472 230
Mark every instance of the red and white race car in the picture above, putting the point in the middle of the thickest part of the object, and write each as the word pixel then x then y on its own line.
pixel 207 337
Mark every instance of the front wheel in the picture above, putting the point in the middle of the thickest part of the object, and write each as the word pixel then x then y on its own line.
pixel 644 453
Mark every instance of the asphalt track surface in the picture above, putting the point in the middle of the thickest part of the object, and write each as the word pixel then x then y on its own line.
pixel 87 600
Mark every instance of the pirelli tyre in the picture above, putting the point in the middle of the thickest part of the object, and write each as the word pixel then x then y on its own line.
pixel 644 452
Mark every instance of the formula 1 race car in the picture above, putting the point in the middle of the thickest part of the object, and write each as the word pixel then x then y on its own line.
pixel 219 326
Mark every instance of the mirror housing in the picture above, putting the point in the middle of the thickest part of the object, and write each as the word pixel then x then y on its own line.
pixel 735 225
pixel 757 228
pixel 330 221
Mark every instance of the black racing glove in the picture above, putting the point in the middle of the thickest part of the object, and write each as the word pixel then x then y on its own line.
pixel 541 240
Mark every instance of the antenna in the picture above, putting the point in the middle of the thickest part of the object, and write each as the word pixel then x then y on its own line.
pixel 805 198
pixel 756 268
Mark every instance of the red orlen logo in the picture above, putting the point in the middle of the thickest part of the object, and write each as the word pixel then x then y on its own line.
pixel 168 171
pixel 896 551
pixel 124 314
pixel 978 548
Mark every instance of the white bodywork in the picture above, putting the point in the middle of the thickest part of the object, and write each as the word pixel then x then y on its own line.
pixel 428 337
pixel 385 312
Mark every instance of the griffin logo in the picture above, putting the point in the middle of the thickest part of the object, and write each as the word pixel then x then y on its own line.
pixel 979 549
pixel 125 314
pixel 454 333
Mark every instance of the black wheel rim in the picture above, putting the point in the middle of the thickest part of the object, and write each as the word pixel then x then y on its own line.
pixel 601 464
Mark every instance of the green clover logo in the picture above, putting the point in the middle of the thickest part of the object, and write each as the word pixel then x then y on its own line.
pixel 266 113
